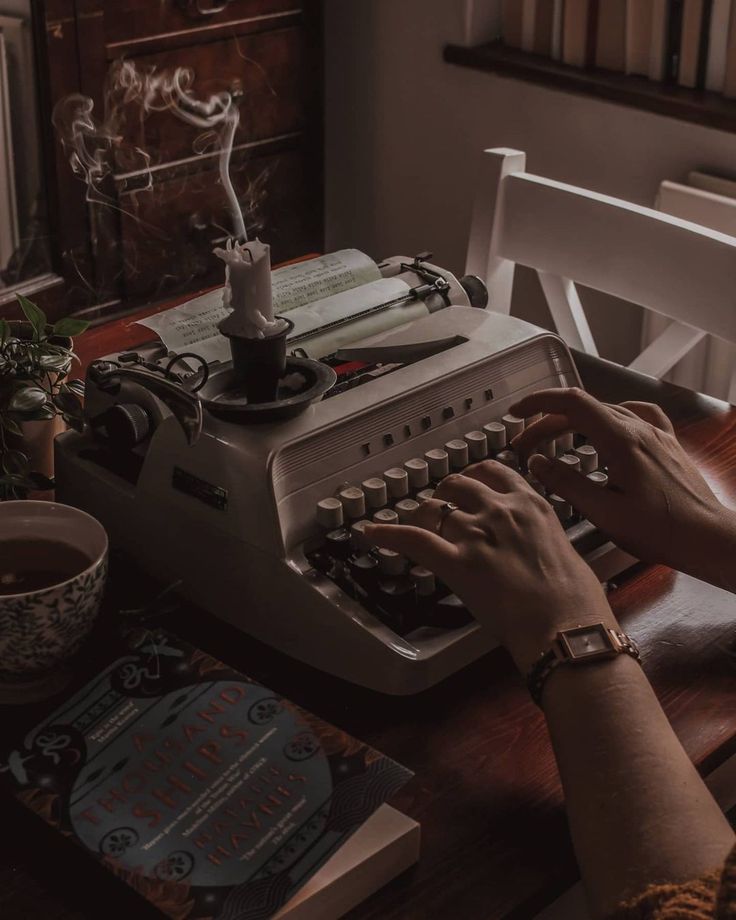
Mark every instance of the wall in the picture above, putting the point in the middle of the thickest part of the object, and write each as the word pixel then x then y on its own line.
pixel 405 132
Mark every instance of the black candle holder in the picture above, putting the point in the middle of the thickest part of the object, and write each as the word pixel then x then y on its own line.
pixel 259 364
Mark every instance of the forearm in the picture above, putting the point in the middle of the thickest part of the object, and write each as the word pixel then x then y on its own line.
pixel 713 555
pixel 638 811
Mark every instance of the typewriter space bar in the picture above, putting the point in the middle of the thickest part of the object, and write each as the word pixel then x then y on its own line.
pixel 401 353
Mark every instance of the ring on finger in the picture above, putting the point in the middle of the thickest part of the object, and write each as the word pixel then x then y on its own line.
pixel 446 509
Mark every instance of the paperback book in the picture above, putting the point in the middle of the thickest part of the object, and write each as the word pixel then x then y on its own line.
pixel 207 793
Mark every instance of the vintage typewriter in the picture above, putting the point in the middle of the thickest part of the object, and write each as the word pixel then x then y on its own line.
pixel 261 519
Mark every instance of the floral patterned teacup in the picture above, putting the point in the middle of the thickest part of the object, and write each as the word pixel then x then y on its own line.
pixel 41 627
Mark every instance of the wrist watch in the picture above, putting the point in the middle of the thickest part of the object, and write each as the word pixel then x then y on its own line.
pixel 579 645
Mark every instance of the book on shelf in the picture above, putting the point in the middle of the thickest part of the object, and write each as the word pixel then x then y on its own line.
pixel 610 47
pixel 209 794
pixel 694 40
pixel 511 23
pixel 544 25
pixel 673 40
pixel 657 50
pixel 638 36
pixel 729 75
pixel 528 23
pixel 579 32
pixel 556 43
pixel 717 44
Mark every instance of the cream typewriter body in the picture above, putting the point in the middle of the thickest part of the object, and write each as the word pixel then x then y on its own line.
pixel 246 517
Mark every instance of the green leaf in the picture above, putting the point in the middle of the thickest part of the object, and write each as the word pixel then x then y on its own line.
pixel 58 363
pixel 4 331
pixel 42 415
pixel 15 463
pixel 69 326
pixel 35 315
pixel 27 399
pixel 11 426
pixel 76 387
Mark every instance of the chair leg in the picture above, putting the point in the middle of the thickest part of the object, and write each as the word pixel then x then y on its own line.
pixel 567 312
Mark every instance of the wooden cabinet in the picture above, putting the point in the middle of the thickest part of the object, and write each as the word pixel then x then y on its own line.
pixel 147 228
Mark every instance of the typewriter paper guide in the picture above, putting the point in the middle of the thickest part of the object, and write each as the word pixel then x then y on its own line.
pixel 207 793
pixel 316 293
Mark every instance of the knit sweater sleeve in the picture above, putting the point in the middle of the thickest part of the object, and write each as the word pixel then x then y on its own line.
pixel 712 897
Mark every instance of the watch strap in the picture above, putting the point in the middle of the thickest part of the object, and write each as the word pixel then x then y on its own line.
pixel 555 656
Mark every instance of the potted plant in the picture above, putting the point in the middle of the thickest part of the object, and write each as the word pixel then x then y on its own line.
pixel 36 399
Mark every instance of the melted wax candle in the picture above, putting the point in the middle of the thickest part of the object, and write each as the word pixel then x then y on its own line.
pixel 248 291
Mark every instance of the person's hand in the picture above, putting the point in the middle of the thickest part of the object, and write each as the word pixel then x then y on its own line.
pixel 657 506
pixel 505 554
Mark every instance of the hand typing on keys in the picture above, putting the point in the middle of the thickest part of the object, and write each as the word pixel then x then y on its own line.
pixel 658 506
pixel 503 551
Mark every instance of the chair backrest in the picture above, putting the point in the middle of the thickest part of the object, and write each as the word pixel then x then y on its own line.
pixel 676 268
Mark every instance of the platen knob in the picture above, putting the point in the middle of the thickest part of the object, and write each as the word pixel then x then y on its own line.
pixel 127 424
pixel 476 290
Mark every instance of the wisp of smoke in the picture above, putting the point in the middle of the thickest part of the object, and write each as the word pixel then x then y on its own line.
pixel 91 143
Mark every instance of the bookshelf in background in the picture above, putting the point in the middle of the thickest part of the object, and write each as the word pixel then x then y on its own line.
pixel 673 57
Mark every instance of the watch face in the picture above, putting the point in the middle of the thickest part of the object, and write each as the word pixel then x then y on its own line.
pixel 586 641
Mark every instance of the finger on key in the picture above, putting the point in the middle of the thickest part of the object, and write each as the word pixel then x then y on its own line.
pixel 583 494
pixel 546 428
pixel 429 516
pixel 496 476
pixel 583 413
pixel 424 547
pixel 469 493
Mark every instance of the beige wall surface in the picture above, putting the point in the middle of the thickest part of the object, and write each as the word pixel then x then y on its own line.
pixel 405 132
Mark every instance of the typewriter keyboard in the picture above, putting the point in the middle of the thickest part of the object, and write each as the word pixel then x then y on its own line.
pixel 406 597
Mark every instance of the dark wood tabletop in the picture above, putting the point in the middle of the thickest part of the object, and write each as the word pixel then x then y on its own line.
pixel 486 792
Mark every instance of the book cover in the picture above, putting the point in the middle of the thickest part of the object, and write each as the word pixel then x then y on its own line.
pixel 205 792
pixel 717 42
pixel 638 36
pixel 610 52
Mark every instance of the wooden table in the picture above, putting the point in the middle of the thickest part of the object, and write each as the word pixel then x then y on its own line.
pixel 495 841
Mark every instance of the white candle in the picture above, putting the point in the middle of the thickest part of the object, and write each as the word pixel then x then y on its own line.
pixel 248 291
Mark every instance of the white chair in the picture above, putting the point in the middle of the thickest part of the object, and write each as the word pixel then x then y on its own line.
pixel 571 235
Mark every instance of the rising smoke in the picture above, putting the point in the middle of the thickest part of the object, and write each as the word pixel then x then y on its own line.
pixel 93 144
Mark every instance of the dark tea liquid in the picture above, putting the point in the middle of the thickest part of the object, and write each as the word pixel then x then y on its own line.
pixel 35 564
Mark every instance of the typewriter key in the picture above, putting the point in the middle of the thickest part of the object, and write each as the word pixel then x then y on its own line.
pixel 375 492
pixel 418 472
pixel 329 513
pixel 513 425
pixel 496 435
pixel 353 502
pixel 477 445
pixel 588 458
pixel 397 482
pixel 457 451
